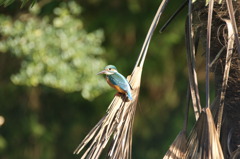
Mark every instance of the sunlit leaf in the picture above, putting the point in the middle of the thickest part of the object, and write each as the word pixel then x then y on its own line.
pixel 58 53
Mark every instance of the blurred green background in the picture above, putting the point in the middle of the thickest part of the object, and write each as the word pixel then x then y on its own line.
pixel 50 95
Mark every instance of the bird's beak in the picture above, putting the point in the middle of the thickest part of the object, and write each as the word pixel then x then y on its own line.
pixel 102 72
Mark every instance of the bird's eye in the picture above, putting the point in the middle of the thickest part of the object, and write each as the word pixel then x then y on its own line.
pixel 109 68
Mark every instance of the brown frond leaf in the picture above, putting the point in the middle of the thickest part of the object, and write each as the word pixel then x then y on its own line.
pixel 234 24
pixel 235 154
pixel 191 52
pixel 203 141
pixel 178 148
pixel 226 73
pixel 117 123
pixel 208 45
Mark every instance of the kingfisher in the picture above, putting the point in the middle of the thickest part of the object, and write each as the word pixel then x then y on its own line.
pixel 117 80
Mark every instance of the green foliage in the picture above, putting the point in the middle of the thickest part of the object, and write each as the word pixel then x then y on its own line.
pixel 2 143
pixel 56 52
pixel 24 2
pixel 6 2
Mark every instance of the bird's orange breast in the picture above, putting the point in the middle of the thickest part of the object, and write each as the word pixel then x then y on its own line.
pixel 115 86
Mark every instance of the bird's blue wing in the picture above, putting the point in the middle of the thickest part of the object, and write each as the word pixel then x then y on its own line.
pixel 120 80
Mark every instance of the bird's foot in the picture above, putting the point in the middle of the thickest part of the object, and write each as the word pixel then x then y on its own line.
pixel 123 96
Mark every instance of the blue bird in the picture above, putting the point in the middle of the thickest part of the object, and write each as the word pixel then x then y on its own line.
pixel 117 80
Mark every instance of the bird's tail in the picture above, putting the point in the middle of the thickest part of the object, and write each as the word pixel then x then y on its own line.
pixel 129 96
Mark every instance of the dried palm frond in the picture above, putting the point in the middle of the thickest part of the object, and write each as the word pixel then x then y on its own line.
pixel 143 53
pixel 235 154
pixel 122 139
pixel 226 73
pixel 209 28
pixel 233 151
pixel 178 147
pixel 118 121
pixel 191 51
pixel 214 108
pixel 203 141
pixel 233 22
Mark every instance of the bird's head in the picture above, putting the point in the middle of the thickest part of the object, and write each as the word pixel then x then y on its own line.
pixel 109 70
